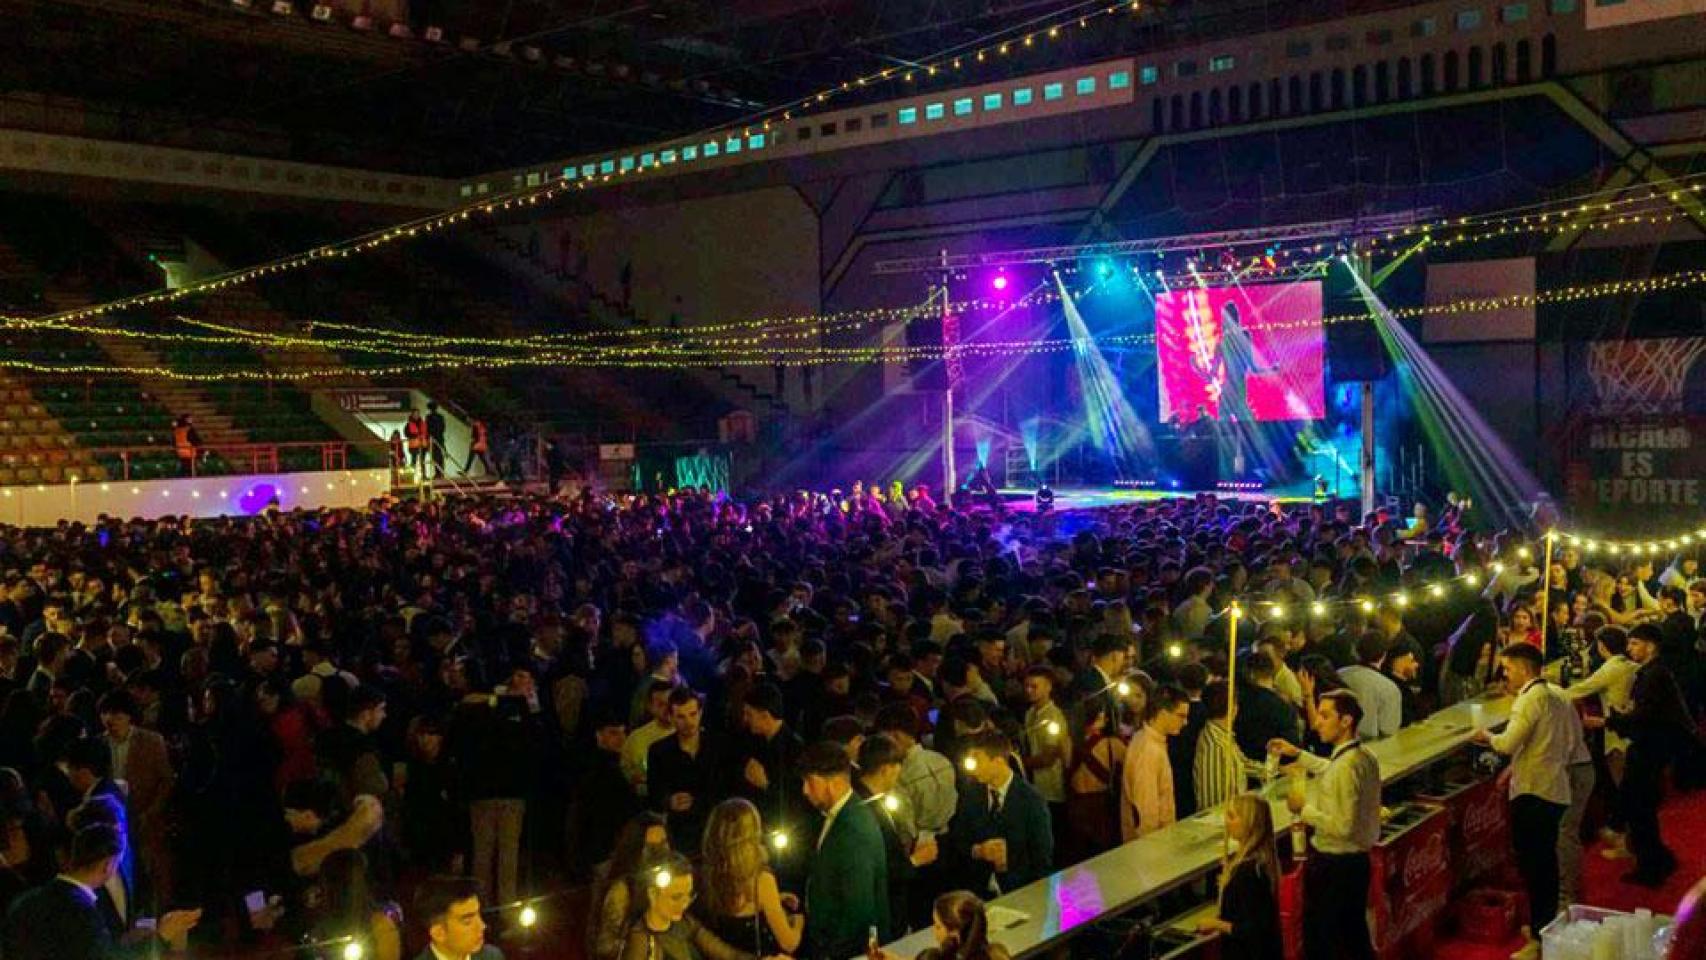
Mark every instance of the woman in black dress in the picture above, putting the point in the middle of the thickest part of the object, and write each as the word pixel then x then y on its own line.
pixel 739 899
pixel 1249 884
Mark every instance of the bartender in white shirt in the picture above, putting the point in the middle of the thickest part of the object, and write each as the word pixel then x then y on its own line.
pixel 1345 815
pixel 1543 738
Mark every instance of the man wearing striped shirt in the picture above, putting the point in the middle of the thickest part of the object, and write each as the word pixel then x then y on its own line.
pixel 1218 770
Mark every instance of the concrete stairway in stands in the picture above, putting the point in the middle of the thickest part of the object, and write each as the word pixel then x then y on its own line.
pixel 511 254
pixel 176 397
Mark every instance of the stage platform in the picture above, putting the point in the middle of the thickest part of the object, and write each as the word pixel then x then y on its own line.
pixel 1088 498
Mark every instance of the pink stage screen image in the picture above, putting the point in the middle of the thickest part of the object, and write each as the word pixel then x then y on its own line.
pixel 1241 353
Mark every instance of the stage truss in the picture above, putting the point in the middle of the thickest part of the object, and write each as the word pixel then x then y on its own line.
pixel 1321 231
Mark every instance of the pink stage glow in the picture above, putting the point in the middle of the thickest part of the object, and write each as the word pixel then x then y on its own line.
pixel 1279 355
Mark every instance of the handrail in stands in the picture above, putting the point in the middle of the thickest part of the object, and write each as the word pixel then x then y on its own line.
pixel 261 457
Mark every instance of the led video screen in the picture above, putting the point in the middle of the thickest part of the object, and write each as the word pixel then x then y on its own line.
pixel 1246 353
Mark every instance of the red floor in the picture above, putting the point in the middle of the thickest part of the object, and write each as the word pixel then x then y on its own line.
pixel 1683 820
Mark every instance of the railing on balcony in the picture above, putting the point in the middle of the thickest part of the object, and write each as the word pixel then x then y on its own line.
pixel 253 458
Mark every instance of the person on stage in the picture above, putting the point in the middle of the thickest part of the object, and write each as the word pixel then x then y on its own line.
pixel 1234 362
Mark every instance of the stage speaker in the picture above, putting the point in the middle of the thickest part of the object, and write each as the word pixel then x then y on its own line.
pixel 1355 353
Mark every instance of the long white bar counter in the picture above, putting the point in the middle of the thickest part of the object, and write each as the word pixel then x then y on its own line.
pixel 1057 906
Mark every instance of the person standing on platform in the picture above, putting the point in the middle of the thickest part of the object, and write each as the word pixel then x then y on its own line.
pixel 1658 728
pixel 435 438
pixel 1345 816
pixel 1542 738
pixel 415 433
pixel 479 445
pixel 186 442
pixel 847 889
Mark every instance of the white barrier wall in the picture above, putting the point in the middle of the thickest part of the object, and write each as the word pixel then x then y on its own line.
pixel 44 505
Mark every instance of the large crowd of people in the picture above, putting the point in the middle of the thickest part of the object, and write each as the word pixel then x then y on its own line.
pixel 797 726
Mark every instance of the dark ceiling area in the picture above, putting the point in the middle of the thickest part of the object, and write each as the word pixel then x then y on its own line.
pixel 507 83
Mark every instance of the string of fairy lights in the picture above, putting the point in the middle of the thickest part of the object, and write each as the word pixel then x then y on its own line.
pixel 754 350
pixel 1587 543
pixel 992 46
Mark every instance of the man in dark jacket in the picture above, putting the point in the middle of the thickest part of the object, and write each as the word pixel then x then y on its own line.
pixel 879 773
pixel 499 746
pixel 847 889
pixel 1263 714
pixel 768 773
pixel 1001 835
pixel 348 752
pixel 684 775
pixel 435 438
pixel 59 920
pixel 1660 730
pixel 603 800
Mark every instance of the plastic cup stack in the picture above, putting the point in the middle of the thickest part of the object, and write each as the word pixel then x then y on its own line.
pixel 1638 936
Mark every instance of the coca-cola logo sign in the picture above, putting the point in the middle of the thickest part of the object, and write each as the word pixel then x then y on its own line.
pixel 1485 816
pixel 1426 860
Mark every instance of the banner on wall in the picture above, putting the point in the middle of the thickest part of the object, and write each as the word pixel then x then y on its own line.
pixel 1480 280
pixel 1639 469
pixel 373 401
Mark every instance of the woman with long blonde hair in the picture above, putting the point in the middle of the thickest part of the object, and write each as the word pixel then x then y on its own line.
pixel 739 899
pixel 1249 884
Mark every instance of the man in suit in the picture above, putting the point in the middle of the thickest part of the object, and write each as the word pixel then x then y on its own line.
pixel 1001 834
pixel 879 773
pixel 847 886
pixel 141 763
pixel 60 920
pixel 449 907
pixel 1659 729
pixel 1094 691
